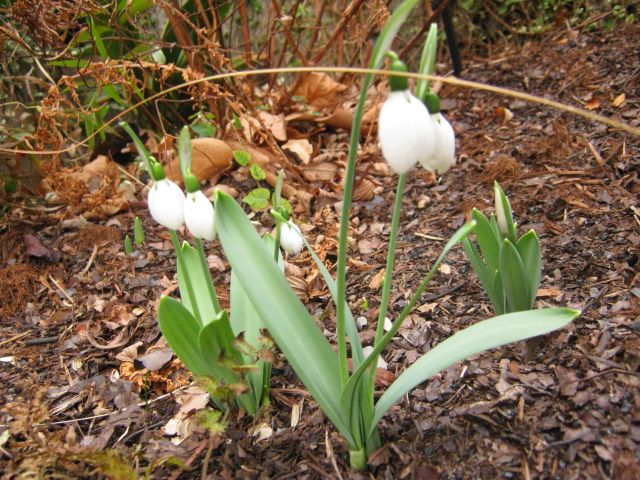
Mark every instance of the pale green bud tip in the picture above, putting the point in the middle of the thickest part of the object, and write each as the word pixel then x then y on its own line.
pixel 191 183
pixel 501 209
pixel 432 101
pixel 157 171
pixel 397 83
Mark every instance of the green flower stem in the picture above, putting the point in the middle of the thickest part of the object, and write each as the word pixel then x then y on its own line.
pixel 465 230
pixel 344 231
pixel 183 268
pixel 358 459
pixel 383 44
pixel 391 258
pixel 276 248
pixel 205 266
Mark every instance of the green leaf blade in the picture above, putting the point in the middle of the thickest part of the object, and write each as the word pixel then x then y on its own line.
pixel 201 304
pixel 488 241
pixel 185 151
pixel 287 319
pixel 181 330
pixel 528 247
pixel 482 336
pixel 515 282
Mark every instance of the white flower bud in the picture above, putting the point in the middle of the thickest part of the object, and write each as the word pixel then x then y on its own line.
pixel 199 216
pixel 444 153
pixel 501 209
pixel 291 238
pixel 405 130
pixel 166 204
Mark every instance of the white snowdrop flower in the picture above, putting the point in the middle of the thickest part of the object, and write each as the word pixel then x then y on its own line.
pixel 166 203
pixel 405 130
pixel 199 216
pixel 444 140
pixel 291 238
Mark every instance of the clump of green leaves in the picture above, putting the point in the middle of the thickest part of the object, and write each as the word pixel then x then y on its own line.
pixel 509 267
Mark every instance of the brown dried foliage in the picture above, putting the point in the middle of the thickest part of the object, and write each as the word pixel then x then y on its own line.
pixel 49 21
pixel 18 283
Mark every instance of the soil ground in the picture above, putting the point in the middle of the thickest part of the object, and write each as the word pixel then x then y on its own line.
pixel 565 406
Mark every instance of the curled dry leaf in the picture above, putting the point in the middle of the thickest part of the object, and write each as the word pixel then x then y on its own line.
pixel 156 359
pixel 275 124
pixel 320 172
pixel 364 190
pixel 301 147
pixel 211 157
pixel 118 341
pixel 320 90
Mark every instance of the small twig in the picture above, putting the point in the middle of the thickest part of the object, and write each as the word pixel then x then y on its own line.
pixel 434 16
pixel 207 458
pixel 346 17
pixel 132 177
pixel 41 340
pixel 446 291
pixel 429 237
pixel 330 454
pixel 16 337
pixel 91 258
pixel 62 290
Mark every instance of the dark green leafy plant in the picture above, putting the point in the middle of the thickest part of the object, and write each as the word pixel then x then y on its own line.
pixel 509 267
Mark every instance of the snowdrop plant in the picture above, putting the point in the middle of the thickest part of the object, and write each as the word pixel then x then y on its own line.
pixel 345 394
pixel 225 350
pixel 508 267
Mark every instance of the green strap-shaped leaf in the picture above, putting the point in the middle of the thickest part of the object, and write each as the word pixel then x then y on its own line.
pixel 482 336
pixel 246 320
pixel 529 249
pixel 488 240
pixel 182 333
pixel 215 340
pixel 358 416
pixel 501 301
pixel 485 276
pixel 514 278
pixel 201 305
pixel 289 322
pixel 352 329
pixel 185 151
pixel 427 60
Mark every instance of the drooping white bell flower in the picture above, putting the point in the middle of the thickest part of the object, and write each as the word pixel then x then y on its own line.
pixel 199 216
pixel 291 238
pixel 405 130
pixel 444 140
pixel 166 203
pixel 404 125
